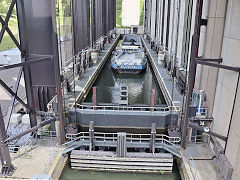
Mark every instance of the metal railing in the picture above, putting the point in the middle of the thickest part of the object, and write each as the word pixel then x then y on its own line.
pixel 46 134
pixel 192 167
pixel 99 136
pixel 25 150
pixel 51 159
pixel 171 144
pixel 130 137
pixel 114 109
pixel 199 139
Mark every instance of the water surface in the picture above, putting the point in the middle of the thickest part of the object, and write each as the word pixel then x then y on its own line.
pixel 140 86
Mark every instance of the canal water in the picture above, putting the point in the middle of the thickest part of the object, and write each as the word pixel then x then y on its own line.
pixel 140 86
pixel 70 174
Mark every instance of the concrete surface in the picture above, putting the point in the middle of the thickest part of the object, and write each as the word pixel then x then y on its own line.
pixel 226 87
pixel 168 87
pixel 38 161
pixel 201 167
pixel 130 12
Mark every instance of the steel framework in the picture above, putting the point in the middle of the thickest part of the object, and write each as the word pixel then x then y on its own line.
pixel 192 69
pixel 29 59
pixel 39 53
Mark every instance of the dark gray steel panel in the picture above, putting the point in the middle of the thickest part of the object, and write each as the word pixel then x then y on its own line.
pixel 81 24
pixel 99 18
pixel 114 13
pixel 38 23
pixel 36 29
pixel 110 14
pixel 104 16
pixel 93 21
pixel 131 121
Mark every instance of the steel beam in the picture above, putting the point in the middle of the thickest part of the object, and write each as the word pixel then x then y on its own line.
pixel 58 86
pixel 153 138
pixel 10 108
pixel 221 66
pixel 7 167
pixel 6 28
pixel 14 94
pixel 201 119
pixel 48 121
pixel 192 68
pixel 2 31
pixel 24 63
pixel 91 136
pixel 5 23
pixel 14 39
pixel 210 60
pixel 200 128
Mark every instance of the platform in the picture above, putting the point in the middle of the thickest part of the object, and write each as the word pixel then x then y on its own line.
pixel 133 162
pixel 169 88
pixel 44 160
pixel 195 159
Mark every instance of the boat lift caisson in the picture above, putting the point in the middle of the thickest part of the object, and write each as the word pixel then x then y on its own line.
pixel 129 57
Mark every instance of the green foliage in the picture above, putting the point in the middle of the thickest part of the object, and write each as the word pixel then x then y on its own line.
pixel 119 13
pixel 141 12
pixel 7 42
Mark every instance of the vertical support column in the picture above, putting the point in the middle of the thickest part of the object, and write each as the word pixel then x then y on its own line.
pixel 192 69
pixel 29 94
pixel 152 99
pixel 95 97
pixel 91 136
pixel 59 91
pixel 121 144
pixel 7 167
pixel 153 138
pixel 93 23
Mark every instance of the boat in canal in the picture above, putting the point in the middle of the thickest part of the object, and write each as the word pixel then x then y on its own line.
pixel 129 57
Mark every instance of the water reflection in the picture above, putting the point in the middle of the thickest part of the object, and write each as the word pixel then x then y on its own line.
pixel 139 87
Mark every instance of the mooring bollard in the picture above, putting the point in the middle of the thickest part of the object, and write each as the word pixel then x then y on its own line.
pixel 121 144
pixel 152 100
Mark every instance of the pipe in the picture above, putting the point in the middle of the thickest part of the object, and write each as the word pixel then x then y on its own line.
pixel 200 128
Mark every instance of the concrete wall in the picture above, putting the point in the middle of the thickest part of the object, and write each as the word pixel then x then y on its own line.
pixel 220 38
pixel 226 86
pixel 177 25
pixel 213 46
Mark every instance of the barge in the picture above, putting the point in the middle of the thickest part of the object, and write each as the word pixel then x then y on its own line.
pixel 130 57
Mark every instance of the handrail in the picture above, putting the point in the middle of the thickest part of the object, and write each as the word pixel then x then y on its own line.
pixel 198 139
pixel 129 108
pixel 129 137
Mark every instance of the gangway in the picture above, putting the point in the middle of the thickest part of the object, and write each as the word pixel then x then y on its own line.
pixel 162 141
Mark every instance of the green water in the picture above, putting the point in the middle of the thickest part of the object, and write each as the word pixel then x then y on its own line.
pixel 70 174
pixel 139 87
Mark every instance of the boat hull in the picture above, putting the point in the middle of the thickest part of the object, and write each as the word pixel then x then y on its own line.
pixel 129 69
